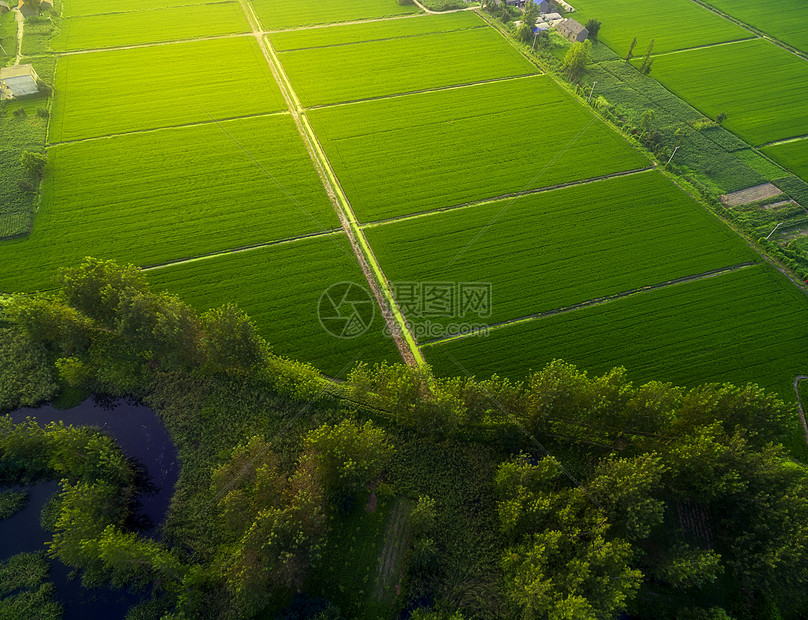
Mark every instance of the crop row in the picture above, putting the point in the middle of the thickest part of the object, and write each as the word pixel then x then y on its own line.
pixel 116 91
pixel 562 247
pixel 75 8
pixel 280 287
pixel 378 68
pixel 374 31
pixel 149 26
pixel 430 150
pixel 747 326
pixel 782 19
pixel 278 14
pixel 152 197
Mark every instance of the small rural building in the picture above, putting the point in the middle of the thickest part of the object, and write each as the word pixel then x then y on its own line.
pixel 544 6
pixel 567 7
pixel 541 27
pixel 552 17
pixel 572 30
pixel 4 8
pixel 18 81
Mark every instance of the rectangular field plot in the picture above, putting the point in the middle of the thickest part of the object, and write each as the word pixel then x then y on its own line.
pixel 782 19
pixel 673 24
pixel 154 197
pixel 759 86
pixel 792 155
pixel 425 151
pixel 75 8
pixel 278 14
pixel 119 91
pixel 374 31
pixel 378 68
pixel 555 249
pixel 149 26
pixel 280 287
pixel 746 326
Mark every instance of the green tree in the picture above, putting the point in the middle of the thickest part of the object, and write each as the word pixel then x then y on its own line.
pixel 530 14
pixel 691 567
pixel 630 53
pixel 576 59
pixel 230 340
pixel 645 67
pixel 34 163
pixel 593 26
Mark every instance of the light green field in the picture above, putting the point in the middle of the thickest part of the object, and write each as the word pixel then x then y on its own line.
pixel 759 86
pixel 149 26
pixel 558 248
pixel 792 155
pixel 747 326
pixel 377 68
pixel 782 19
pixel 421 152
pixel 279 287
pixel 153 197
pixel 120 91
pixel 278 14
pixel 75 8
pixel 673 24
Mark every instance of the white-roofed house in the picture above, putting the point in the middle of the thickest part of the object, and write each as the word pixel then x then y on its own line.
pixel 18 81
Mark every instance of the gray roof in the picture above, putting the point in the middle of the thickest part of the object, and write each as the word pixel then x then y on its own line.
pixel 573 26
pixel 21 86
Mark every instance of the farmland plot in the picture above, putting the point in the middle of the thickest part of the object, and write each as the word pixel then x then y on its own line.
pixel 374 31
pixel 153 197
pixel 746 326
pixel 425 151
pixel 118 91
pixel 75 8
pixel 378 68
pixel 558 248
pixel 792 155
pixel 149 26
pixel 673 25
pixel 759 86
pixel 280 287
pixel 782 19
pixel 278 14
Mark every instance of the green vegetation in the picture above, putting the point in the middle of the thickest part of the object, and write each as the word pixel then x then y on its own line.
pixel 792 155
pixel 11 502
pixel 374 31
pixel 276 14
pixel 673 25
pixel 538 252
pixel 740 81
pixel 420 152
pixel 25 591
pixel 149 26
pixel 76 8
pixel 8 38
pixel 158 196
pixel 279 287
pixel 25 374
pixel 378 68
pixel 781 19
pixel 104 93
pixel 745 326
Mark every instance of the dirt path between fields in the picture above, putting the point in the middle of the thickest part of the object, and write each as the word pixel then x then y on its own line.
pixel 800 410
pixel 20 27
pixel 599 301
pixel 396 539
pixel 397 327
pixel 431 12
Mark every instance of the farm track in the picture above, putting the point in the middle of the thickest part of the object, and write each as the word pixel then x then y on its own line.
pixel 800 409
pixel 393 317
pixel 514 195
pixel 701 47
pixel 431 12
pixel 599 301
pixel 786 141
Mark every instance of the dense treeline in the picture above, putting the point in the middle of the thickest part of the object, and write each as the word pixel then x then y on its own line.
pixel 562 496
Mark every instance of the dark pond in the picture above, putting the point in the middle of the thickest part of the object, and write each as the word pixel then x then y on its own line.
pixel 142 437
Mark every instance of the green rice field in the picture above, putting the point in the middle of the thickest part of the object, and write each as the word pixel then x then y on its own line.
pixel 782 19
pixel 378 68
pixel 558 248
pixel 673 24
pixel 158 196
pixel 431 150
pixel 149 26
pixel 279 14
pixel 759 86
pixel 747 326
pixel 374 31
pixel 792 155
pixel 106 93
pixel 279 287
pixel 76 8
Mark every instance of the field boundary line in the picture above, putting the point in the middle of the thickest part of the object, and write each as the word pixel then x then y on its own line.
pixel 182 126
pixel 800 409
pixel 784 141
pixel 495 199
pixel 424 91
pixel 707 46
pixel 431 12
pixel 407 346
pixel 599 301
pixel 134 46
pixel 349 23
pixel 240 249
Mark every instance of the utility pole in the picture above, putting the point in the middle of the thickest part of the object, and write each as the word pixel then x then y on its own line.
pixel 672 154
pixel 774 230
pixel 591 91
